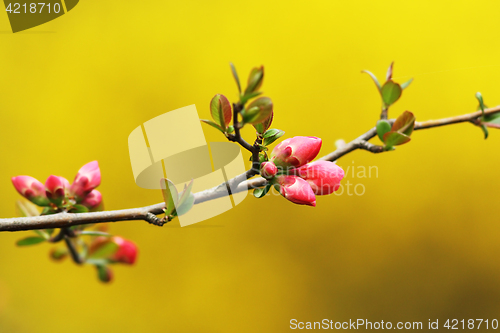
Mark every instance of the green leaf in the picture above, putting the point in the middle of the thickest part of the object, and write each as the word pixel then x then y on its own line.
pixel 404 123
pixel 388 76
pixel 185 194
pixel 260 192
pixel 186 205
pixel 272 135
pixel 406 84
pixel 392 139
pixel 374 78
pixel 211 123
pixel 258 111
pixel 170 195
pixel 47 211
pixel 481 103
pixel 383 126
pixel 221 110
pixel 263 126
pixel 235 75
pixel 58 253
pixel 79 209
pixel 42 233
pixel 27 208
pixel 255 79
pixel 104 251
pixel 30 241
pixel 492 118
pixel 391 92
pixel 492 125
pixel 104 273
pixel 230 129
pixel 485 131
pixel 94 233
pixel 245 98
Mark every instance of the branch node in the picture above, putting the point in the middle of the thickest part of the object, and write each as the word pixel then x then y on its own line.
pixel 155 220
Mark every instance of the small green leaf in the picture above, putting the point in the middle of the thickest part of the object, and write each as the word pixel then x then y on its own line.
pixel 27 208
pixel 170 195
pixel 404 123
pixel 263 126
pixel 258 111
pixel 255 79
pixel 79 209
pixel 42 233
pixel 406 84
pixel 235 75
pixel 492 118
pixel 272 135
pixel 94 233
pixel 383 126
pixel 391 92
pixel 184 195
pixel 245 98
pixel 104 273
pixel 30 241
pixel 392 139
pixel 211 123
pixel 230 129
pixel 58 253
pixel 481 103
pixel 262 191
pixel 104 251
pixel 185 205
pixel 47 211
pixel 485 131
pixel 221 110
pixel 492 125
pixel 388 76
pixel 374 78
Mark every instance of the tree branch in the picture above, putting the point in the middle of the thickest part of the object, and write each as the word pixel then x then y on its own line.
pixel 238 184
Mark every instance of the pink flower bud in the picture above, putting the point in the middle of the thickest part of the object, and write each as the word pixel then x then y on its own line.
pixel 88 178
pixel 323 176
pixel 31 189
pixel 55 189
pixel 297 190
pixel 93 199
pixel 268 170
pixel 127 251
pixel 296 151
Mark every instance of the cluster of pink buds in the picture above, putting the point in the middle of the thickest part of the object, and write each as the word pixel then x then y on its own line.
pixel 298 180
pixel 59 195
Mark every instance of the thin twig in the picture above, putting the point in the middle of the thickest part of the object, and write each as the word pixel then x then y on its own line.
pixel 238 184
pixel 69 234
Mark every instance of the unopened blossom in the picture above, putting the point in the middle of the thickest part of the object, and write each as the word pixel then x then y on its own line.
pixel 87 179
pixel 55 188
pixel 268 170
pixel 31 189
pixel 92 200
pixel 296 151
pixel 297 190
pixel 324 177
pixel 127 251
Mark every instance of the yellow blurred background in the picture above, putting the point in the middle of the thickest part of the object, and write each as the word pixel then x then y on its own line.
pixel 420 244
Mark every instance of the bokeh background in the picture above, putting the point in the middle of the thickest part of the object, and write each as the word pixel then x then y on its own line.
pixel 421 243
